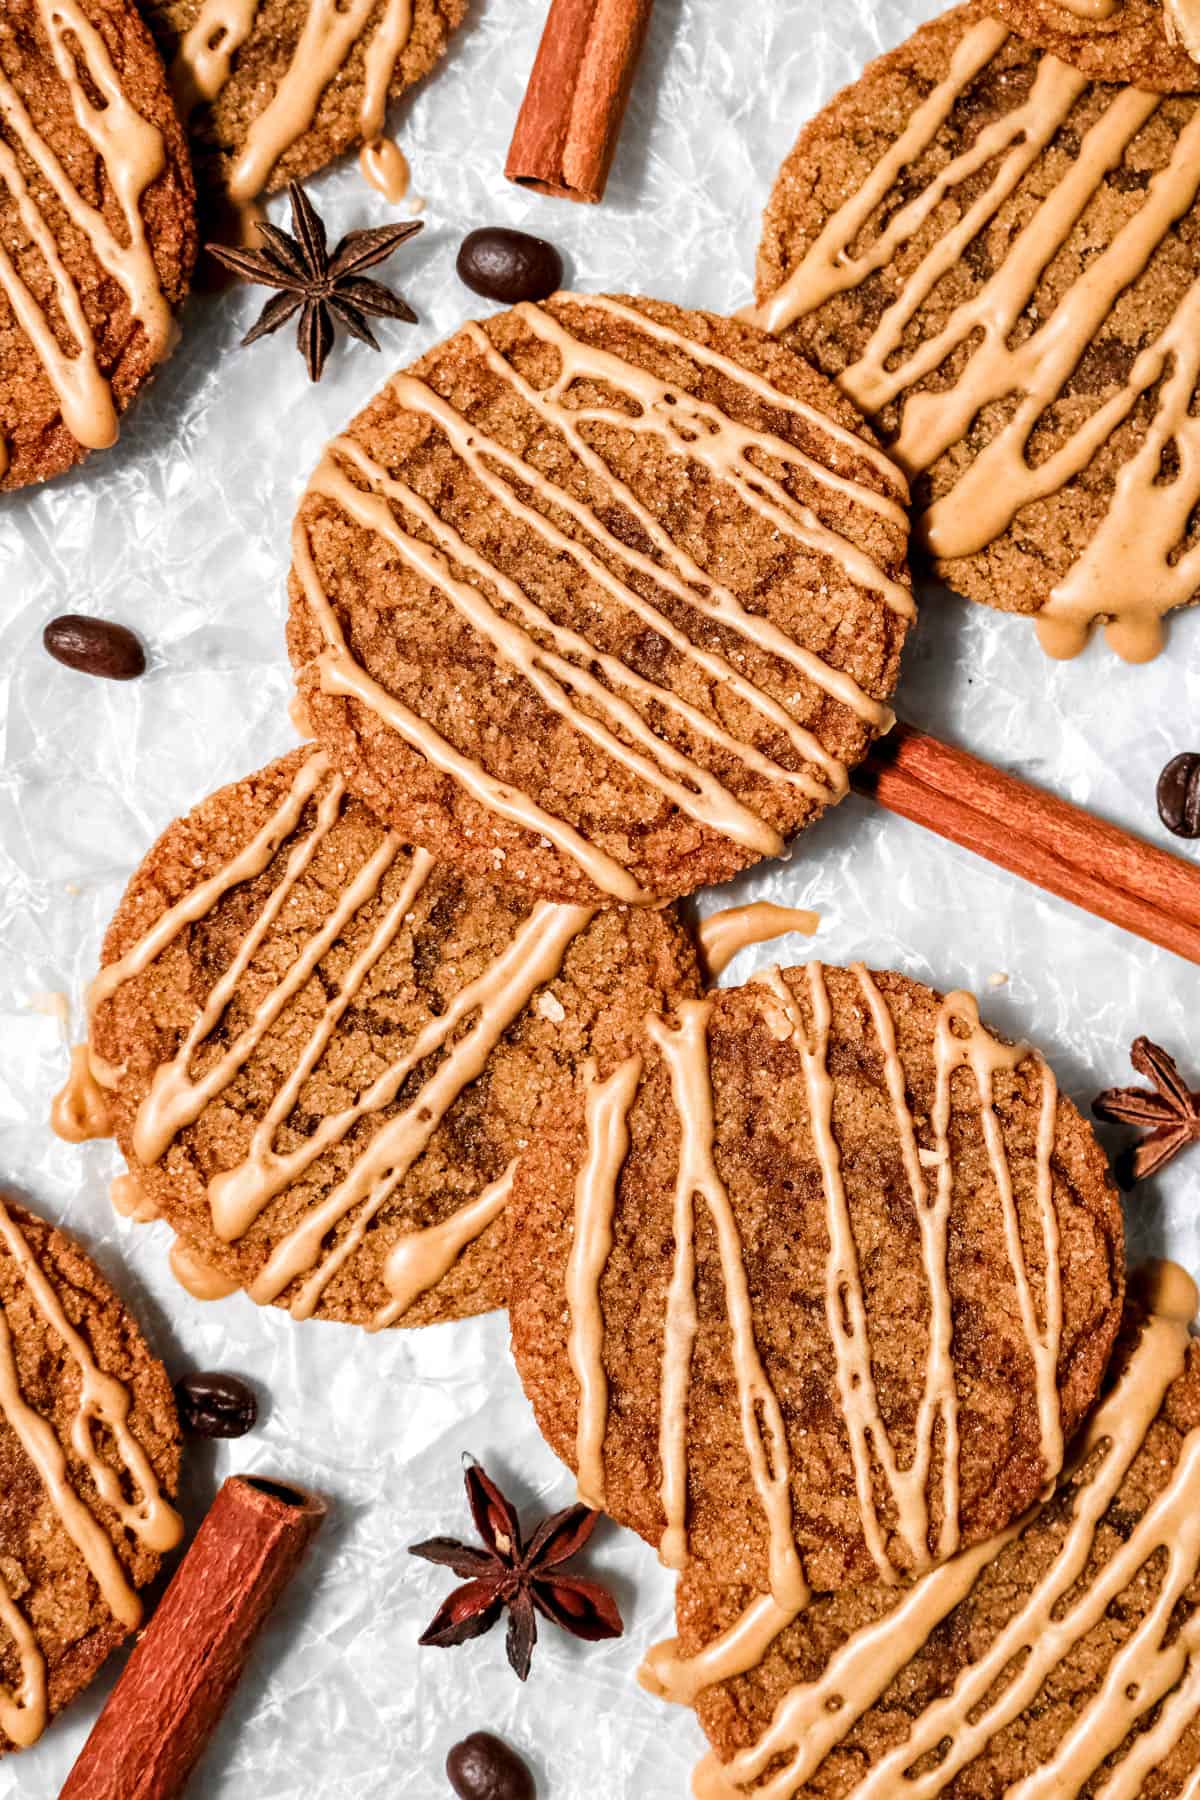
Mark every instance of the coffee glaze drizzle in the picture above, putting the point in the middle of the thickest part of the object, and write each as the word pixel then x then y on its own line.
pixel 1130 573
pixel 385 167
pixel 416 1263
pixel 176 1098
pixel 961 1042
pixel 129 150
pixel 197 1277
pixel 684 1049
pixel 1181 23
pixel 23 1712
pixel 1089 9
pixel 560 664
pixel 815 1717
pixel 134 1496
pixel 330 33
pixel 129 1202
pixel 608 1104
pixel 845 1304
pixel 79 1111
pixel 723 934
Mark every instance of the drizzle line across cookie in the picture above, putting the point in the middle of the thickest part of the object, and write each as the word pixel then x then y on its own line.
pixel 996 258
pixel 89 1457
pixel 271 93
pixel 1060 1657
pixel 601 599
pixel 97 228
pixel 841 1272
pixel 322 1050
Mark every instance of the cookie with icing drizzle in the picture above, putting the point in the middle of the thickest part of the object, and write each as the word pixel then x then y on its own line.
pixel 997 256
pixel 1062 1657
pixel 97 227
pixel 816 1286
pixel 1152 43
pixel 89 1459
pixel 272 90
pixel 601 598
pixel 321 1050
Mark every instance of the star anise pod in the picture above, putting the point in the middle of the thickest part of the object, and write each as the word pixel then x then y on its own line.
pixel 1168 1113
pixel 319 285
pixel 524 1577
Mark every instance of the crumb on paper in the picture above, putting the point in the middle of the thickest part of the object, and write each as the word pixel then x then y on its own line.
pixel 997 979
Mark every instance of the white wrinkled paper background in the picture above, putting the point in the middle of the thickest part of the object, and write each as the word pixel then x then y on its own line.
pixel 182 532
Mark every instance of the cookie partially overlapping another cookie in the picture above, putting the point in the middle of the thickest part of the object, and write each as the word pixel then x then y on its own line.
pixel 818 1285
pixel 814 1283
pixel 1057 1659
pixel 322 1050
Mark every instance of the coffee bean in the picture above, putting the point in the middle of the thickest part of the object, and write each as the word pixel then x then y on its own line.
pixel 483 1767
pixel 95 647
pixel 215 1406
pixel 509 265
pixel 1179 795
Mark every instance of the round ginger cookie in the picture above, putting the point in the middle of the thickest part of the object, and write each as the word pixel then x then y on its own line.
pixel 997 258
pixel 322 1050
pixel 89 1453
pixel 817 1289
pixel 1061 1660
pixel 601 598
pixel 1151 43
pixel 272 90
pixel 97 227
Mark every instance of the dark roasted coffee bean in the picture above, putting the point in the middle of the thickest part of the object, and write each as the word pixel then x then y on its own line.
pixel 95 647
pixel 215 1406
pixel 509 265
pixel 483 1767
pixel 1179 795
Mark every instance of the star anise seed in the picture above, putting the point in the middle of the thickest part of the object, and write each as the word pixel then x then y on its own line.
pixel 1168 1113
pixel 508 1573
pixel 319 286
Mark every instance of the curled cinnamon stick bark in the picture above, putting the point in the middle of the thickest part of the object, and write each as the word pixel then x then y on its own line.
pixel 567 129
pixel 1059 847
pixel 187 1663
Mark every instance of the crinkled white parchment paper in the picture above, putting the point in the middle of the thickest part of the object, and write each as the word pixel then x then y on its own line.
pixel 182 531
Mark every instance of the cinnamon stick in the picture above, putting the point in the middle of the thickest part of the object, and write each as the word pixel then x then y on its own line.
pixel 187 1663
pixel 567 129
pixel 1049 842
